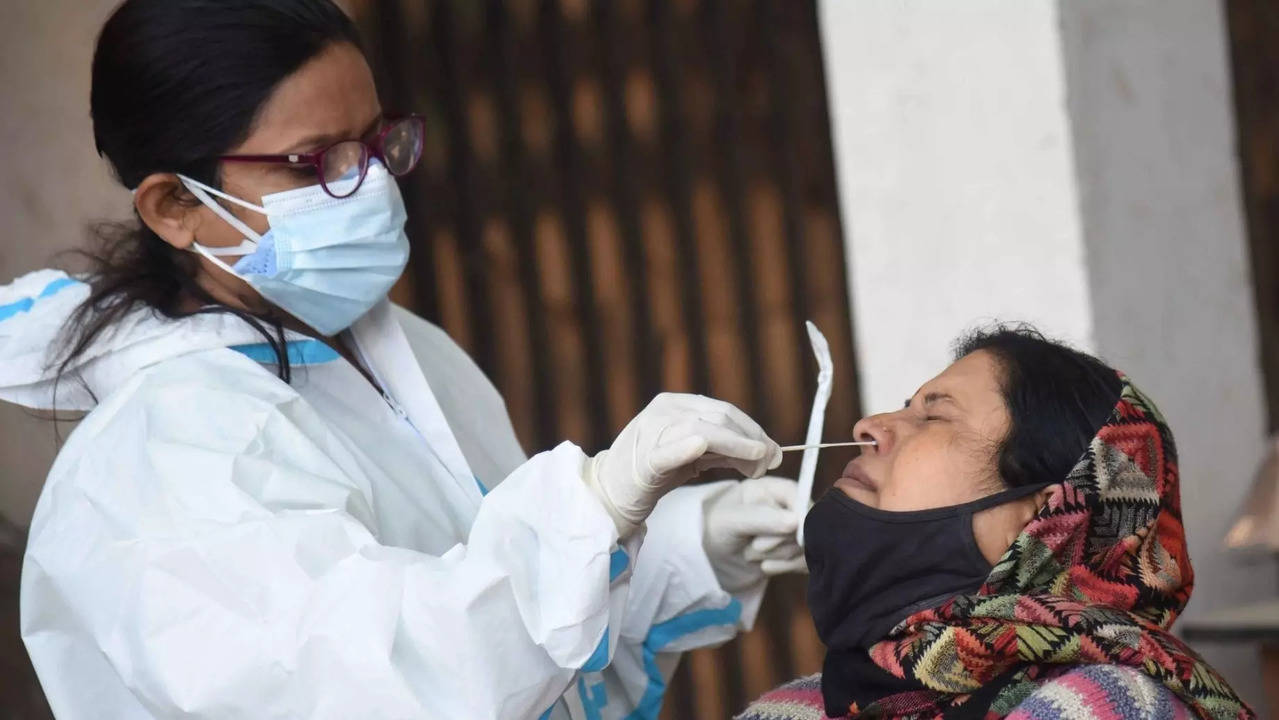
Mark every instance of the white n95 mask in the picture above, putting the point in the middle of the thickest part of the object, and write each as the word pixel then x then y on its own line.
pixel 326 261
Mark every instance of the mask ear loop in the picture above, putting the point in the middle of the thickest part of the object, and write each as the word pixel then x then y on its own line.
pixel 1006 496
pixel 251 240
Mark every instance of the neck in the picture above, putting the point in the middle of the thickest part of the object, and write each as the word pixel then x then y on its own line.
pixel 232 292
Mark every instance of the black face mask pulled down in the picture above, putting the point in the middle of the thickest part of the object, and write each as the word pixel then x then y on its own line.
pixel 869 569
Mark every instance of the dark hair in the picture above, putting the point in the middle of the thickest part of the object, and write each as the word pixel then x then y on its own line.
pixel 1057 398
pixel 175 84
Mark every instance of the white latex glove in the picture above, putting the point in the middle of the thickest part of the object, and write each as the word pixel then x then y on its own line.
pixel 669 443
pixel 749 532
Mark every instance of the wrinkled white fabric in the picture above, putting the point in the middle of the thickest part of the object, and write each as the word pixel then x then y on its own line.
pixel 213 542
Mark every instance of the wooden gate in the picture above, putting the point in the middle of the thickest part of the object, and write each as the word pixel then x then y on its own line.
pixel 622 197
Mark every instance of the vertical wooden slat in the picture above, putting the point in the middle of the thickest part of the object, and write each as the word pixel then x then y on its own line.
pixel 452 290
pixel 619 348
pixel 1253 26
pixel 567 157
pixel 826 272
pixel 709 696
pixel 662 260
pixel 806 650
pixel 515 182
pixel 678 702
pixel 725 350
pixel 759 665
pixel 393 63
pixel 567 347
pixel 623 187
pixel 514 372
pixel 677 179
pixel 770 15
pixel 727 144
pixel 443 39
pixel 783 371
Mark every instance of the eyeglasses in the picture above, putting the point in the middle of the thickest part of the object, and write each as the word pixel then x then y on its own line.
pixel 343 165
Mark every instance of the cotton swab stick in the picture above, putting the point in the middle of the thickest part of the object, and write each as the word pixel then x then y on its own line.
pixel 796 448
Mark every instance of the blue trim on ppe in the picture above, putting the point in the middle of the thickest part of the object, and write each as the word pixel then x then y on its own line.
pixel 547 715
pixel 57 286
pixel 594 700
pixel 21 306
pixel 598 659
pixel 663 634
pixel 300 352
pixel 483 490
pixel 617 563
pixel 25 304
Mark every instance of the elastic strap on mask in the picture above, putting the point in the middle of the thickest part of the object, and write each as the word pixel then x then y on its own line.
pixel 974 506
pixel 212 257
pixel 251 238
pixel 246 247
pixel 1006 496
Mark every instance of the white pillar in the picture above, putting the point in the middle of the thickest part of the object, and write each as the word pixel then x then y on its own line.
pixel 1069 163
pixel 956 178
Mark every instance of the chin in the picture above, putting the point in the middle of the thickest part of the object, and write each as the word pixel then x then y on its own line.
pixel 858 492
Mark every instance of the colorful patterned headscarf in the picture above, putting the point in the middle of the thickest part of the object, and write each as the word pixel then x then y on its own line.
pixel 1097 577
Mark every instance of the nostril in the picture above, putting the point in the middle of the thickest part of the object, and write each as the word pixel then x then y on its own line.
pixel 876 433
pixel 862 433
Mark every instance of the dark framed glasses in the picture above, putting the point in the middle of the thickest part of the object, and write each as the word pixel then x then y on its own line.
pixel 343 165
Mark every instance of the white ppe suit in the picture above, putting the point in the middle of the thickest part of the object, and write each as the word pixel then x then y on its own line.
pixel 215 543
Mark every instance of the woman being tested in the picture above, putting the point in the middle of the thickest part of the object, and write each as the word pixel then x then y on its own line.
pixel 1010 547
pixel 291 499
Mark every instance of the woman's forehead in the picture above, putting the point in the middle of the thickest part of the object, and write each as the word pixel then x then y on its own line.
pixel 970 383
pixel 332 97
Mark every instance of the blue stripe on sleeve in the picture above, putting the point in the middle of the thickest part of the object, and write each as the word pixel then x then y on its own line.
pixel 57 286
pixel 598 659
pixel 25 304
pixel 617 563
pixel 663 634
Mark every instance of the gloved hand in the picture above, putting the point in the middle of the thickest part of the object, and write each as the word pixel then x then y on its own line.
pixel 670 442
pixel 749 532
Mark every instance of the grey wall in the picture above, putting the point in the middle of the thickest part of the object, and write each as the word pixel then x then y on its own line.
pixel 1152 118
pixel 53 185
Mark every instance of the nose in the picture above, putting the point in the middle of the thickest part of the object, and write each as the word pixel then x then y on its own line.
pixel 877 428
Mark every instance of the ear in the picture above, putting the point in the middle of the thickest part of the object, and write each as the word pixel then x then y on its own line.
pixel 167 208
pixel 1040 500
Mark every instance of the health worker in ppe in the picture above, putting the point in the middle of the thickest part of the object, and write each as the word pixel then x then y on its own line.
pixel 293 499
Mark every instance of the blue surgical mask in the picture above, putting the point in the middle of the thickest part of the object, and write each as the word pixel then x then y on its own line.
pixel 326 261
